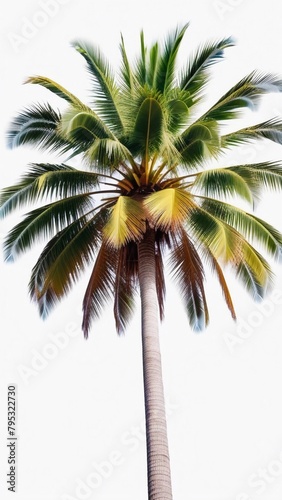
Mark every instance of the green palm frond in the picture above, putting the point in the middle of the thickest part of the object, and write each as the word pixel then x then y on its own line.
pixel 245 94
pixel 101 285
pixel 57 89
pixel 258 176
pixel 140 69
pixel 165 76
pixel 83 126
pixel 43 180
pixel 222 182
pixel 178 108
pixel 128 79
pixel 252 227
pixel 105 90
pixel 106 155
pixel 198 142
pixel 44 221
pixel 195 77
pixel 37 125
pixel 153 66
pixel 187 269
pixel 148 128
pixel 270 129
pixel 126 222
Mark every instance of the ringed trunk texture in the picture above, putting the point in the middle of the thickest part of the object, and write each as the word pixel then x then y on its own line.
pixel 158 463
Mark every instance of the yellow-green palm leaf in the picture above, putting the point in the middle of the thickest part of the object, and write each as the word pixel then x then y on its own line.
pixel 126 222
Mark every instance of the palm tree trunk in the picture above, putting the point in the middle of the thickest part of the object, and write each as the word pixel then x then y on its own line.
pixel 158 464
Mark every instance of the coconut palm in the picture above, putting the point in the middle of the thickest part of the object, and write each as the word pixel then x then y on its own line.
pixel 147 192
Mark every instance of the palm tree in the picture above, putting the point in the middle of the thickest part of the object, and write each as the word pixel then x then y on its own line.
pixel 146 192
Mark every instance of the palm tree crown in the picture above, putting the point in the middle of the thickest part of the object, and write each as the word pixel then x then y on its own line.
pixel 144 155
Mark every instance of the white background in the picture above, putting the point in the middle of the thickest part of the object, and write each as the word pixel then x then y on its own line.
pixel 80 403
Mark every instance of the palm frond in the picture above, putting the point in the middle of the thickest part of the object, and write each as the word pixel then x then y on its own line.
pixel 255 281
pixel 37 125
pixel 148 128
pixel 227 244
pixel 57 89
pixel 140 65
pixel 44 221
pixel 168 208
pixel 216 268
pixel 198 142
pixel 83 126
pixel 245 94
pixel 43 180
pixel 195 77
pixel 127 76
pixel 160 278
pixel 124 290
pixel 63 260
pixel 258 176
pixel 178 107
pixel 253 228
pixel 165 76
pixel 187 269
pixel 106 154
pixel 100 286
pixel 126 222
pixel 222 182
pixel 105 90
pixel 215 234
pixel 270 129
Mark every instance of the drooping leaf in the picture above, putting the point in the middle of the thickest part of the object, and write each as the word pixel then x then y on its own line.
pixel 100 286
pixel 222 182
pixel 64 259
pixel 252 227
pixel 125 287
pixel 187 269
pixel 254 273
pixel 44 222
pixel 207 229
pixel 216 268
pixel 126 222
